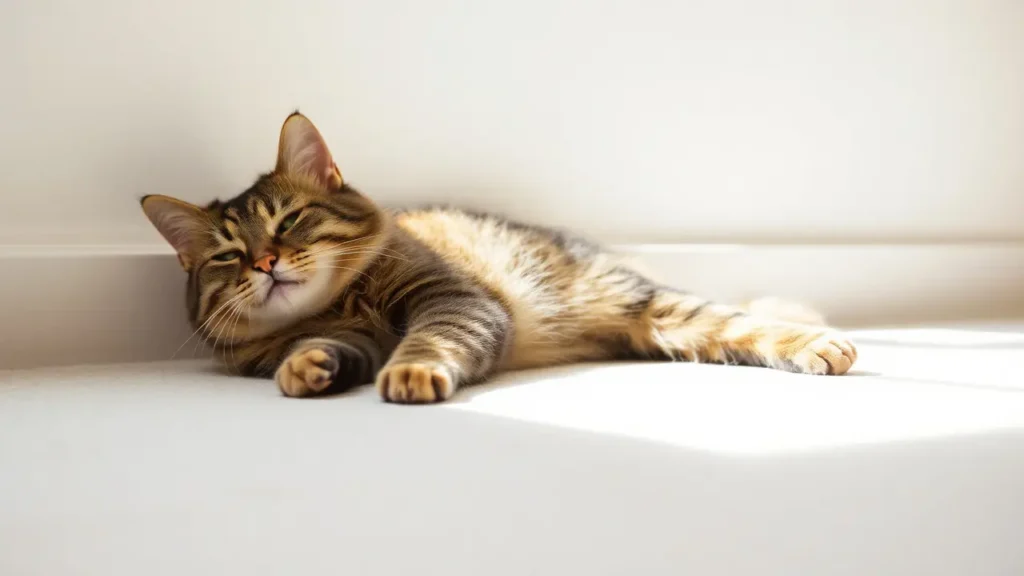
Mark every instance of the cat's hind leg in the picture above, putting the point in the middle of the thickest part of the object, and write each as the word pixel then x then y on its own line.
pixel 681 326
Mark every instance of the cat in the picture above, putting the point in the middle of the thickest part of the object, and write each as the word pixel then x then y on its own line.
pixel 303 278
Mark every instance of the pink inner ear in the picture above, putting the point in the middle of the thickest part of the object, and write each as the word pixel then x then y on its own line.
pixel 304 152
pixel 180 239
pixel 176 227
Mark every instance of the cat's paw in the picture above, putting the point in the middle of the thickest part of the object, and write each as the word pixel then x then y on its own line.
pixel 415 383
pixel 827 353
pixel 307 371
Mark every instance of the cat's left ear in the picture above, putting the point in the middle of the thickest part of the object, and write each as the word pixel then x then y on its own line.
pixel 301 151
pixel 180 223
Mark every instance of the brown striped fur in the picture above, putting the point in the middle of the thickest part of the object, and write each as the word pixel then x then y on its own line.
pixel 304 278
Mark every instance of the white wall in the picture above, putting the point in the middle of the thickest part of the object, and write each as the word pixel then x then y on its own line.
pixel 633 120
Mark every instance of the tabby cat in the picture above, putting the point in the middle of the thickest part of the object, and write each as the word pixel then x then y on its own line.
pixel 304 278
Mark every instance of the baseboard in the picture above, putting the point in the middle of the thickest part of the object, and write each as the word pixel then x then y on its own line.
pixel 855 284
pixel 63 305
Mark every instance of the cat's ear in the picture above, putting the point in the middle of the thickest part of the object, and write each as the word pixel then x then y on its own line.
pixel 301 151
pixel 180 223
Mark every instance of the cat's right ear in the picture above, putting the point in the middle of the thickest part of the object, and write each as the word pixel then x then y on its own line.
pixel 301 151
pixel 180 223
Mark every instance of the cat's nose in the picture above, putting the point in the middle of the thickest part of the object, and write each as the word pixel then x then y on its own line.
pixel 265 263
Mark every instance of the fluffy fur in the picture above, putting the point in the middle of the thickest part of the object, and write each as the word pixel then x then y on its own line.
pixel 303 278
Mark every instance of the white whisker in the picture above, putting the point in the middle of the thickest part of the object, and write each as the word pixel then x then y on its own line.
pixel 225 320
pixel 238 317
pixel 208 320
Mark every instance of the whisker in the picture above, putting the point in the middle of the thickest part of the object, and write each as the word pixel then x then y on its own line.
pixel 361 273
pixel 227 318
pixel 347 242
pixel 203 325
pixel 396 255
pixel 350 252
pixel 234 302
pixel 340 245
pixel 216 313
pixel 238 316
pixel 215 330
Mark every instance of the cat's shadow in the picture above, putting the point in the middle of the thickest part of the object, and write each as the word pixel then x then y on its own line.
pixel 539 376
pixel 528 377
pixel 543 376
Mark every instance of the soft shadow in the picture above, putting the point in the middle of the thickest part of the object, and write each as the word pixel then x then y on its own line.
pixel 339 391
pixel 333 391
pixel 526 377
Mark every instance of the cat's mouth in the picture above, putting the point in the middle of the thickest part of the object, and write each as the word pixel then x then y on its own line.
pixel 280 288
pixel 288 294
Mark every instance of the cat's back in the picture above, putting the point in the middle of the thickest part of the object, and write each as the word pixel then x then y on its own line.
pixel 486 244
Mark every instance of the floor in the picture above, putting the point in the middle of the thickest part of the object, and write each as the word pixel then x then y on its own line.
pixel 913 464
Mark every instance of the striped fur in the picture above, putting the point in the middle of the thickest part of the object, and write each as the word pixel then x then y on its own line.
pixel 304 278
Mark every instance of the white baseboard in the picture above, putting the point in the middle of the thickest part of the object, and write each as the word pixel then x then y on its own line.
pixel 63 305
pixel 855 284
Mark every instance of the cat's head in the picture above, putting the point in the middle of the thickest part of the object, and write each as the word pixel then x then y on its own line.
pixel 280 251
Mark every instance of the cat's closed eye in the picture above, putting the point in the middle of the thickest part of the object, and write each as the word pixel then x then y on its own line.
pixel 288 222
pixel 228 256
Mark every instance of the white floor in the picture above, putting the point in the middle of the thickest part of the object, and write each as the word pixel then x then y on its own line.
pixel 912 465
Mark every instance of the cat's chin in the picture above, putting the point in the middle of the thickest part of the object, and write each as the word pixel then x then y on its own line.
pixel 282 291
pixel 285 302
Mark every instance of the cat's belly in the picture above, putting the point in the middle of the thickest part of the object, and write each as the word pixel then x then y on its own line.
pixel 546 340
pixel 548 326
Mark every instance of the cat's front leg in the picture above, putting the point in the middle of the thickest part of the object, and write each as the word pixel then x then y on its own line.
pixel 417 382
pixel 455 336
pixel 320 365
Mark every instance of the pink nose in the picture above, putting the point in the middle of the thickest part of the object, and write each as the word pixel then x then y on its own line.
pixel 265 263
